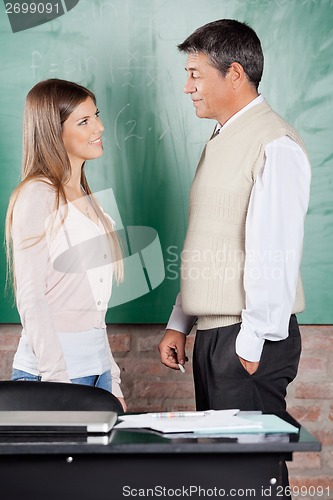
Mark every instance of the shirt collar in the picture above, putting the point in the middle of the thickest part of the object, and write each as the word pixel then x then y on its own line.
pixel 257 100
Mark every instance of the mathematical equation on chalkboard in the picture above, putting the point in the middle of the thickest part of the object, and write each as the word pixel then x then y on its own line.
pixel 139 74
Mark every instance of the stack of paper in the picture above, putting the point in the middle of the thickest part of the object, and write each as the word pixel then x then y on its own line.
pixel 209 422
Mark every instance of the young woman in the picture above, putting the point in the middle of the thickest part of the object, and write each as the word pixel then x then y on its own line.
pixel 62 247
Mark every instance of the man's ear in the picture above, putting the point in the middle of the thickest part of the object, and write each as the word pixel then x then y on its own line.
pixel 236 74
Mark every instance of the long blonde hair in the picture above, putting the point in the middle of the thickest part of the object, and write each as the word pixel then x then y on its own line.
pixel 47 107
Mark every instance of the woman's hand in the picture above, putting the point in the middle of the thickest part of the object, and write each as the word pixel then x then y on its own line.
pixel 123 404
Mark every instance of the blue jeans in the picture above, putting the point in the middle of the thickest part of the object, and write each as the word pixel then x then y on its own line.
pixel 103 381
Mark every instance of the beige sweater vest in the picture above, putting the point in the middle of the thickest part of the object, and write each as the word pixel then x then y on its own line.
pixel 214 249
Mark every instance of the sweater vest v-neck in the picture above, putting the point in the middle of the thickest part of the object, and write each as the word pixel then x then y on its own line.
pixel 213 256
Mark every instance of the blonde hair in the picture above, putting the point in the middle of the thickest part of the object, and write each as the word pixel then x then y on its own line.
pixel 47 107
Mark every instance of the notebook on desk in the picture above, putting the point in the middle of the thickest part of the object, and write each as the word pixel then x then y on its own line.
pixel 83 422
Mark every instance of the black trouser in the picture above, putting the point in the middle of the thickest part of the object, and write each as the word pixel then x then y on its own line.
pixel 221 382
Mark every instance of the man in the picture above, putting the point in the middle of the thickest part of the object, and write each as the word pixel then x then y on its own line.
pixel 240 263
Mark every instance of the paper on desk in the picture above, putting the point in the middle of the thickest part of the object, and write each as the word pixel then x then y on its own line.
pixel 273 424
pixel 212 421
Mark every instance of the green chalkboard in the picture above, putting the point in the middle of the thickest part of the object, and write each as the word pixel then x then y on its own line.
pixel 125 51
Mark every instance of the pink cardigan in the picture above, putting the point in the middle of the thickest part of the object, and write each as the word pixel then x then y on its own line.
pixel 63 275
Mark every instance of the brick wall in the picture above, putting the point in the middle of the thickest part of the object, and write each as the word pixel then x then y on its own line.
pixel 148 385
pixel 310 401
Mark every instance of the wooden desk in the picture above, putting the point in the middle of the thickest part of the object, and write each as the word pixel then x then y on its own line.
pixel 143 464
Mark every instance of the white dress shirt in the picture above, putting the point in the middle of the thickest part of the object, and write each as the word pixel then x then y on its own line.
pixel 273 249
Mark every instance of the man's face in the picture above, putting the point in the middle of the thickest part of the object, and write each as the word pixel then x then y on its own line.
pixel 210 92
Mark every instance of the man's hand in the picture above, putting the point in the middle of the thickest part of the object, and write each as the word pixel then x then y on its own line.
pixel 250 366
pixel 172 349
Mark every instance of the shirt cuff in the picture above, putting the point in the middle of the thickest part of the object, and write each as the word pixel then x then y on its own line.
pixel 248 345
pixel 180 321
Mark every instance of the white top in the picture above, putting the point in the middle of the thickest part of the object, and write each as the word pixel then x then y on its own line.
pixel 64 283
pixel 274 223
pixel 86 353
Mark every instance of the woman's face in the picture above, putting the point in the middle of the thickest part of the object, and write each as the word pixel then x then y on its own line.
pixel 82 133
